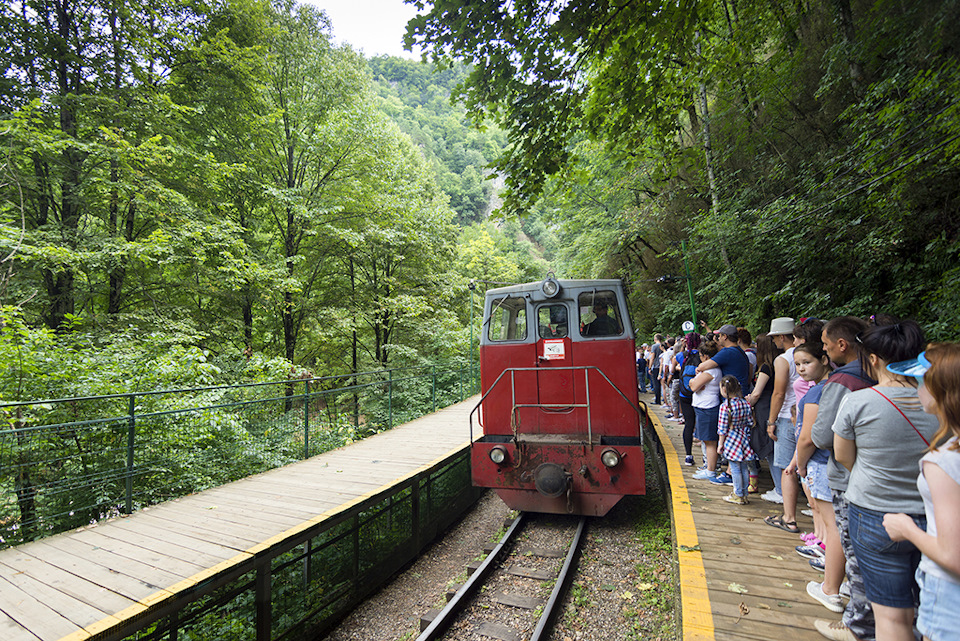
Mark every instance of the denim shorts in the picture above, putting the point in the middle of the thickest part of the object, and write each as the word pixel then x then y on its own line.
pixel 707 423
pixel 939 597
pixel 786 443
pixel 817 481
pixel 888 567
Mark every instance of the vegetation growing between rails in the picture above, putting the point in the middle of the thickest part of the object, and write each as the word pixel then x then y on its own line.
pixel 627 584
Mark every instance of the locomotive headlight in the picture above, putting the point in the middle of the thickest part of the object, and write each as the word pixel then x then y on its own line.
pixel 498 455
pixel 610 458
pixel 550 287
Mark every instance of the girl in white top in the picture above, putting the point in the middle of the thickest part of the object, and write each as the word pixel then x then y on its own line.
pixel 938 370
pixel 706 406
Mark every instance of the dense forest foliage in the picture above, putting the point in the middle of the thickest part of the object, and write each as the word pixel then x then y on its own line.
pixel 214 192
pixel 418 98
pixel 805 151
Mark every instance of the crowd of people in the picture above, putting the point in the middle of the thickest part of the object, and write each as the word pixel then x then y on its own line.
pixel 861 418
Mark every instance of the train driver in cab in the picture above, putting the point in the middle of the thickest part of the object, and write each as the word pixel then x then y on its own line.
pixel 603 324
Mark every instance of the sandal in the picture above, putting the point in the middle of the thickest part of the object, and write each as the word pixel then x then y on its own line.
pixel 777 521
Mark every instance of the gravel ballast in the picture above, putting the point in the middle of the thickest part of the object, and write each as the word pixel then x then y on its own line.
pixel 625 587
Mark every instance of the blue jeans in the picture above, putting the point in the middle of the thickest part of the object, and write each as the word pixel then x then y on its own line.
pixel 888 567
pixel 786 443
pixel 642 379
pixel 740 471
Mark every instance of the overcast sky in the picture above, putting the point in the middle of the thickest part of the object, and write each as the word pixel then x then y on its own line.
pixel 375 27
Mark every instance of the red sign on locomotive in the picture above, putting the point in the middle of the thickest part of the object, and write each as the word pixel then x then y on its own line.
pixel 561 426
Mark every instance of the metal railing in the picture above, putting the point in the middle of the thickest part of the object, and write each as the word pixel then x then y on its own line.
pixel 586 369
pixel 66 463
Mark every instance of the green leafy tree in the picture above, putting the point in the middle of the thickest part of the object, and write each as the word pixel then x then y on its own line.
pixel 420 99
pixel 83 138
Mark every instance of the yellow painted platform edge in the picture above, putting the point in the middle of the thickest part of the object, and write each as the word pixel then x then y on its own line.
pixel 113 620
pixel 697 618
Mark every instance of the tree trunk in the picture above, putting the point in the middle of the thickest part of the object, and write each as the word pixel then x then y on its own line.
pixel 354 362
pixel 60 284
pixel 246 293
pixel 844 18
pixel 118 272
pixel 24 487
pixel 289 319
pixel 708 157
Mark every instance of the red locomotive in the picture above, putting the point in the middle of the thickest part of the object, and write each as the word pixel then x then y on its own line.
pixel 561 425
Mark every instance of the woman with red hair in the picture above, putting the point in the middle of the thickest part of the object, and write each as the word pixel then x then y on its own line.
pixel 938 370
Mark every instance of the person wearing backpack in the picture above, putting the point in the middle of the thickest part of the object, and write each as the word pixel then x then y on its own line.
pixel 691 358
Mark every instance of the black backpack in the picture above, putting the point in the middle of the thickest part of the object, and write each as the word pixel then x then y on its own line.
pixel 690 361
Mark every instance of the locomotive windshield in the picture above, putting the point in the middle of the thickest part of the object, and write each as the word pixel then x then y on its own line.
pixel 508 319
pixel 552 321
pixel 599 314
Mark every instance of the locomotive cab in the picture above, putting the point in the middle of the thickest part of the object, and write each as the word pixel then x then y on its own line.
pixel 561 427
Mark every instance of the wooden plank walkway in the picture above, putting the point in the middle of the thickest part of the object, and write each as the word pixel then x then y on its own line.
pixel 725 548
pixel 77 584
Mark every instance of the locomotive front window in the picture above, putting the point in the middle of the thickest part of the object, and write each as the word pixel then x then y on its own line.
pixel 552 321
pixel 508 319
pixel 599 314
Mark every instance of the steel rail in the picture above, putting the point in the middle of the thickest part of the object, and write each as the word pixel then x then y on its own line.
pixel 446 616
pixel 563 580
pixel 459 600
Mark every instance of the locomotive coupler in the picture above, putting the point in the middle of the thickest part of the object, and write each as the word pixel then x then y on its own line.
pixel 551 480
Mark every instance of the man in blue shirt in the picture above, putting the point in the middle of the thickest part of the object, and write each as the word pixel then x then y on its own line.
pixel 731 360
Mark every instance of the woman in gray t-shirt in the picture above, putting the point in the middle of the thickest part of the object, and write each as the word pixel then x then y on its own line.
pixel 880 433
pixel 939 484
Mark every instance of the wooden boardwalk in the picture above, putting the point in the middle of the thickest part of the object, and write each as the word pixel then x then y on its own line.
pixel 76 585
pixel 729 556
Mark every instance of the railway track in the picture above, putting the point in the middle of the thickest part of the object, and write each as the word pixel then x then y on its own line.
pixel 516 591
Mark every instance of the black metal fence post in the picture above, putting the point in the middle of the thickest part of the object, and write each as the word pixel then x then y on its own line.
pixel 306 419
pixel 131 441
pixel 262 600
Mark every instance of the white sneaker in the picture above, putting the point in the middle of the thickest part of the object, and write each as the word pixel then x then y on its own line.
pixel 702 475
pixel 772 496
pixel 831 602
pixel 807 513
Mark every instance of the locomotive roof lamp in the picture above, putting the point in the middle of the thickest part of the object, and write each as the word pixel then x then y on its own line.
pixel 688 278
pixel 550 287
